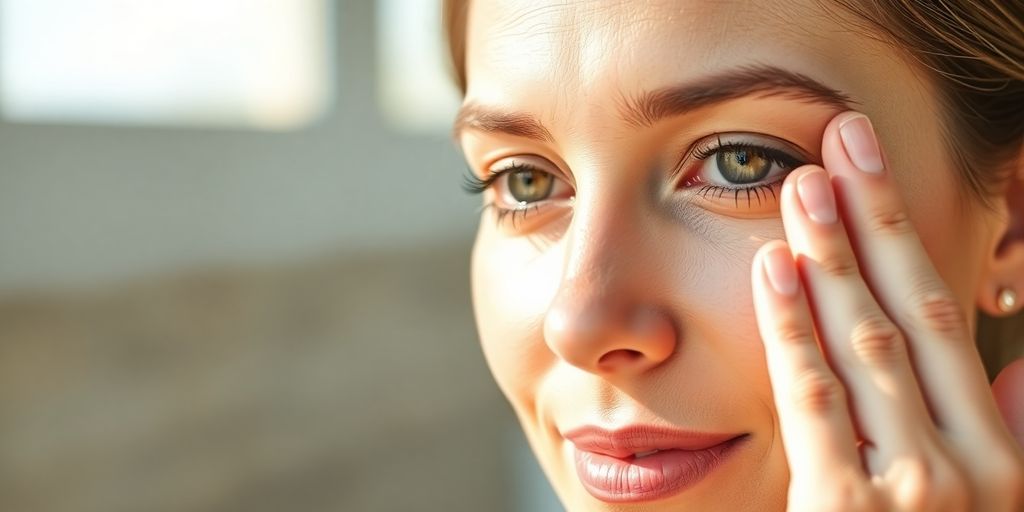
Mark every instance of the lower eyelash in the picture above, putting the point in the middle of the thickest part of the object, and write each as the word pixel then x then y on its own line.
pixel 502 214
pixel 757 190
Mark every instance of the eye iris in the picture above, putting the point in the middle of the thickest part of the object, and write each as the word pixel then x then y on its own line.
pixel 743 165
pixel 529 185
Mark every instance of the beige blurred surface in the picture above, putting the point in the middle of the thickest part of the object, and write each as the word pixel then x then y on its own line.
pixel 347 383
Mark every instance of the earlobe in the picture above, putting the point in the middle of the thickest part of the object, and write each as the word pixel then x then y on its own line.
pixel 1002 289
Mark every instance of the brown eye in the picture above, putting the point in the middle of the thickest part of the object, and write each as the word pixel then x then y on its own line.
pixel 743 165
pixel 530 185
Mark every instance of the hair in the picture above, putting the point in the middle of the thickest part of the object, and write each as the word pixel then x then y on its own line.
pixel 973 52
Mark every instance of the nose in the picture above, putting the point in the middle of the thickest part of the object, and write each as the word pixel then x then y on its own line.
pixel 607 341
pixel 609 315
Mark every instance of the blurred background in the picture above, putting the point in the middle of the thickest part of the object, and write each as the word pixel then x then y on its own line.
pixel 234 264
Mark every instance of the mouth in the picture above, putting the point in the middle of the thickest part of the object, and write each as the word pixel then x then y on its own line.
pixel 645 463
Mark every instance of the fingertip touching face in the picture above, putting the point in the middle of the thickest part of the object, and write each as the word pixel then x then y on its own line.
pixel 630 156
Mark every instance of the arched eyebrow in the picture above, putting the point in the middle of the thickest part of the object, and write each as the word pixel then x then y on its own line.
pixel 760 80
pixel 650 107
pixel 475 116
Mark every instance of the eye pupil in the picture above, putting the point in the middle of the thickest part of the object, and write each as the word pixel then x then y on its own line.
pixel 743 165
pixel 529 185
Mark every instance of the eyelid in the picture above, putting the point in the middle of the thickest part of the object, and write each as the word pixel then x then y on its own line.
pixel 495 181
pixel 474 184
pixel 536 163
pixel 699 155
pixel 718 139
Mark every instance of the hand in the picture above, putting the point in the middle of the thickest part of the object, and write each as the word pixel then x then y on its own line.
pixel 1008 389
pixel 893 410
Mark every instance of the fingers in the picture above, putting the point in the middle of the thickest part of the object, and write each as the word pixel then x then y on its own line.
pixel 815 423
pixel 893 333
pixel 866 349
pixel 1008 390
pixel 904 281
pixel 893 336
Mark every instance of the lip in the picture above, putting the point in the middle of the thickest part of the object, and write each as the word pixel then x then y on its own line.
pixel 608 469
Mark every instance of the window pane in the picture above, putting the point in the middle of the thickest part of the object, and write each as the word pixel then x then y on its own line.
pixel 415 92
pixel 249 63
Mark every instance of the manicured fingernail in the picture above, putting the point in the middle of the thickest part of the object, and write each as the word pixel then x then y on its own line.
pixel 861 144
pixel 815 191
pixel 781 271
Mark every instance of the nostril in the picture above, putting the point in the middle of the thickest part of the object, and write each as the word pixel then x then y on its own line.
pixel 620 357
pixel 600 338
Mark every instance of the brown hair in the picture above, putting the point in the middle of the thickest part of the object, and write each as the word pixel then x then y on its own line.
pixel 974 51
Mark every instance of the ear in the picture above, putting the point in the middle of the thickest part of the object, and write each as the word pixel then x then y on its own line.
pixel 1004 263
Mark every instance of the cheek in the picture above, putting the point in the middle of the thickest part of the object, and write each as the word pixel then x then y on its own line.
pixel 512 288
pixel 705 282
pixel 720 356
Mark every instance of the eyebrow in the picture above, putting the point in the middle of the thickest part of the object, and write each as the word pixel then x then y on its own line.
pixel 650 107
pixel 474 116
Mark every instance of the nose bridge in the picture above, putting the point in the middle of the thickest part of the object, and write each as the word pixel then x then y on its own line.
pixel 604 245
pixel 604 316
pixel 602 229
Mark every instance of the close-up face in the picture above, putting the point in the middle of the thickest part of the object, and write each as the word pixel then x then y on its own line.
pixel 641 148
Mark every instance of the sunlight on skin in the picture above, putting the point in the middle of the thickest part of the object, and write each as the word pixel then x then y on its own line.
pixel 556 288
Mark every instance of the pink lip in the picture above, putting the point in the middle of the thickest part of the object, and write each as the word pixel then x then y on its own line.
pixel 608 469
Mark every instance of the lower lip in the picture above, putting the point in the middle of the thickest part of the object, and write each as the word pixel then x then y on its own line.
pixel 657 476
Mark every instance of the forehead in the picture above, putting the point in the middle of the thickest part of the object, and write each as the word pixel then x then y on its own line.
pixel 517 49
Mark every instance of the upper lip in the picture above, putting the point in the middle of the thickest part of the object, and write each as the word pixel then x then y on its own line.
pixel 632 439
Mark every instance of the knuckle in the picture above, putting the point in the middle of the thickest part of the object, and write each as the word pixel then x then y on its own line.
pixel 890 221
pixel 940 312
pixel 876 340
pixel 838 264
pixel 930 485
pixel 913 486
pixel 791 333
pixel 816 390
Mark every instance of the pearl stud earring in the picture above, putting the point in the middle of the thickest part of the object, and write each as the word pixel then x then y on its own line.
pixel 1007 300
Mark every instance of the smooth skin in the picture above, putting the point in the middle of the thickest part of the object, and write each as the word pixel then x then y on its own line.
pixel 627 296
pixel 896 362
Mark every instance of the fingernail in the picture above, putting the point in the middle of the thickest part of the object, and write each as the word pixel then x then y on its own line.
pixel 781 271
pixel 861 144
pixel 815 191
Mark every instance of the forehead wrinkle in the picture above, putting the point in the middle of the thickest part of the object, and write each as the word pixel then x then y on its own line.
pixel 580 32
pixel 583 56
pixel 589 62
pixel 569 39
pixel 546 31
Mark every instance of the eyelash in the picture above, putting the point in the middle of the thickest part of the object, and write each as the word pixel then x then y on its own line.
pixel 475 185
pixel 775 156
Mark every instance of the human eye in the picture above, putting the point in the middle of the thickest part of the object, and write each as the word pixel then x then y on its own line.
pixel 740 171
pixel 520 187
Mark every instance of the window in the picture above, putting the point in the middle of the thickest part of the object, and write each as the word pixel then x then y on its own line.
pixel 262 64
pixel 415 92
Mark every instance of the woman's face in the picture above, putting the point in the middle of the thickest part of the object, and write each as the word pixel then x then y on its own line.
pixel 646 142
